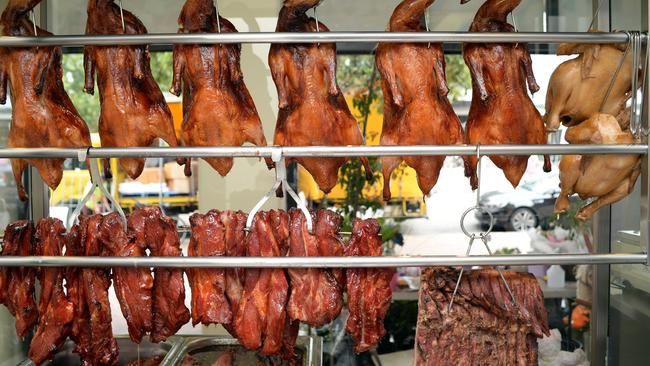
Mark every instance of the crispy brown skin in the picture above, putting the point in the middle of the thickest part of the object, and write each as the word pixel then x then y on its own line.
pixel 133 286
pixel 260 319
pixel 133 110
pixel 501 110
pixel 158 233
pixel 42 113
pixel 218 109
pixel 56 312
pixel 209 302
pixel 484 326
pixel 316 296
pixel 416 108
pixel 369 292
pixel 607 178
pixel 313 111
pixel 96 281
pixel 80 333
pixel 17 284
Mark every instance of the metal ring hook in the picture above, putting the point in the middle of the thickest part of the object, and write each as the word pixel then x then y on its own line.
pixel 122 16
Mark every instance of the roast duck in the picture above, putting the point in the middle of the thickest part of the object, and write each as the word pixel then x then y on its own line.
pixel 578 87
pixel 416 108
pixel 313 111
pixel 218 109
pixel 501 110
pixel 605 178
pixel 133 109
pixel 43 115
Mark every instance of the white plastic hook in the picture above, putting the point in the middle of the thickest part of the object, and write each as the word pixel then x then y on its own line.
pixel 33 15
pixel 216 5
pixel 97 183
pixel 317 22
pixel 122 16
pixel 280 182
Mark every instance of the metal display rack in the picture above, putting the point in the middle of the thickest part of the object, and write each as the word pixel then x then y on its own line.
pixel 331 151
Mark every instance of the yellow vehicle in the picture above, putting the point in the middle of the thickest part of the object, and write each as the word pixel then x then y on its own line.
pixel 407 197
pixel 75 182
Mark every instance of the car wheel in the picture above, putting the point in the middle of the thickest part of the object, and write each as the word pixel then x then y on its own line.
pixel 523 219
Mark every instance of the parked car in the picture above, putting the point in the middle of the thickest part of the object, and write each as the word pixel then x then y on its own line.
pixel 530 205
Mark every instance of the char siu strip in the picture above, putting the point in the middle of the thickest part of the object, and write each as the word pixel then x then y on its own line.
pixel 157 232
pixel 56 312
pixel 17 284
pixel 80 333
pixel 261 315
pixel 133 286
pixel 369 293
pixel 316 295
pixel 208 239
pixel 96 281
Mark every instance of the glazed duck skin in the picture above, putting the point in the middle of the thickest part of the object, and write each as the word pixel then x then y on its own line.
pixel 42 113
pixel 133 109
pixel 218 109
pixel 416 108
pixel 501 110
pixel 313 111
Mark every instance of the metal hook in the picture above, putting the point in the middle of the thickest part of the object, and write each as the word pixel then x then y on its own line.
pixel 33 14
pixel 617 72
pixel 317 23
pixel 122 16
pixel 280 182
pixel 635 122
pixel 216 5
pixel 97 183
pixel 595 15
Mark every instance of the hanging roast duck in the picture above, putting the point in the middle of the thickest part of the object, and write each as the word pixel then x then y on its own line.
pixel 416 108
pixel 43 115
pixel 501 110
pixel 217 107
pixel 134 112
pixel 313 111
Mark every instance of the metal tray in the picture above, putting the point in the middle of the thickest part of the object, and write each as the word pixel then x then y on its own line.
pixel 129 352
pixel 206 350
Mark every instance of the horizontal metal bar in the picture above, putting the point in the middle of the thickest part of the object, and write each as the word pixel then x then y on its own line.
pixel 322 37
pixel 324 151
pixel 319 262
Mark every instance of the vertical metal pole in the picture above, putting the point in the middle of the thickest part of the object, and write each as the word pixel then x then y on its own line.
pixel 602 239
pixel 645 123
pixel 39 193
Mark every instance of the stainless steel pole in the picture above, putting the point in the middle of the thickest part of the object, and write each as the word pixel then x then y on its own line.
pixel 323 151
pixel 319 262
pixel 322 37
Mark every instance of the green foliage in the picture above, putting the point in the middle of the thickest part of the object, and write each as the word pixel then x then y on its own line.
pixel 568 220
pixel 88 105
pixel 459 79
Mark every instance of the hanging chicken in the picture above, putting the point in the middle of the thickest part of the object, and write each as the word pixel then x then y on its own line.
pixel 416 108
pixel 43 115
pixel 218 109
pixel 578 87
pixel 133 109
pixel 501 110
pixel 313 111
pixel 607 178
